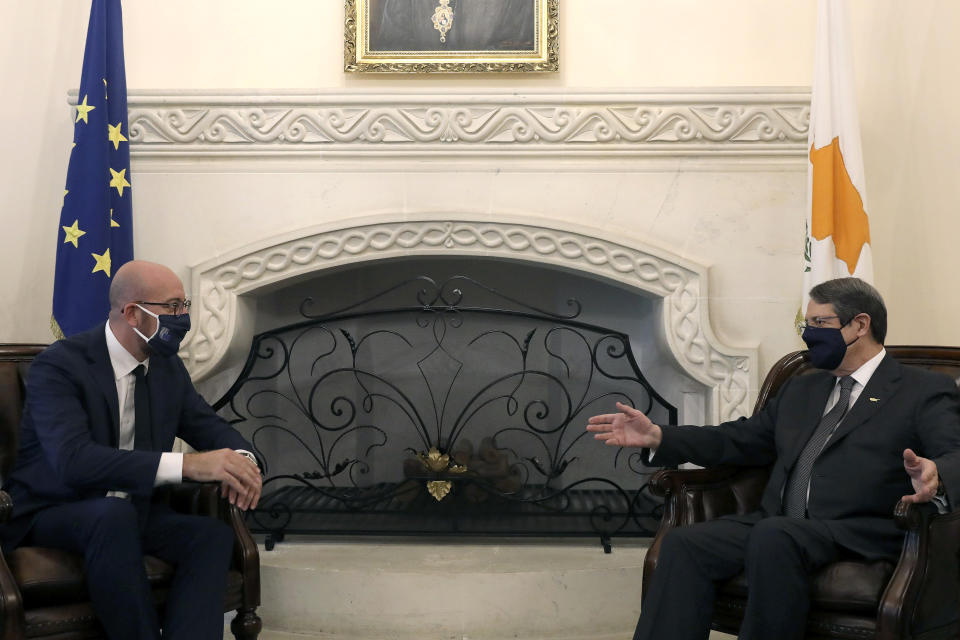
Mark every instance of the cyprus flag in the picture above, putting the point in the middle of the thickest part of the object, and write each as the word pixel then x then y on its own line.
pixel 837 230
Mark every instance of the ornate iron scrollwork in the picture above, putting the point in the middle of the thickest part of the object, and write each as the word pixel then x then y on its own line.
pixel 442 417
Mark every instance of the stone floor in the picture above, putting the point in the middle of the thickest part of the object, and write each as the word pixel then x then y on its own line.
pixel 282 635
pixel 389 589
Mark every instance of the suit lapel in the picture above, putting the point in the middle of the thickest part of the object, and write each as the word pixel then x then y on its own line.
pixel 103 378
pixel 810 416
pixel 881 387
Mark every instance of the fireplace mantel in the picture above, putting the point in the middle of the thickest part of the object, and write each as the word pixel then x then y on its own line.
pixel 224 288
pixel 729 125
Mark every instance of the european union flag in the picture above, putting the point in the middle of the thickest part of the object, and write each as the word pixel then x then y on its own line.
pixel 96 221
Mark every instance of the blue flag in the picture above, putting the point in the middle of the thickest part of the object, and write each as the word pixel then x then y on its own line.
pixel 95 235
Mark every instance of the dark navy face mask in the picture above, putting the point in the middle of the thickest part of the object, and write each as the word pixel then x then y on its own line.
pixel 171 329
pixel 826 346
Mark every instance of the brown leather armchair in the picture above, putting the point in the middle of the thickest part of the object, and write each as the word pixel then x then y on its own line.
pixel 918 597
pixel 42 591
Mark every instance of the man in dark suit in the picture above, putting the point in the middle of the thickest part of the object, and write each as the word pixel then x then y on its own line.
pixel 845 445
pixel 103 408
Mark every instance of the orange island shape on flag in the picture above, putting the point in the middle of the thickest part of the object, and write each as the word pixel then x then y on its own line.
pixel 837 208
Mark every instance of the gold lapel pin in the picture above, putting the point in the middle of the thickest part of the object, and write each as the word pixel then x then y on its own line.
pixel 874 399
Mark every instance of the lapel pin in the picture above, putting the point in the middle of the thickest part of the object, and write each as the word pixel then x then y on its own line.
pixel 874 399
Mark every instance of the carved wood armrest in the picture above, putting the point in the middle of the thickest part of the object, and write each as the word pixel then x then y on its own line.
pixel 205 499
pixel 246 555
pixel 909 516
pixel 925 585
pixel 12 621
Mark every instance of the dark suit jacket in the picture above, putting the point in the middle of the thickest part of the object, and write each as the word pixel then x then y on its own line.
pixel 859 477
pixel 70 429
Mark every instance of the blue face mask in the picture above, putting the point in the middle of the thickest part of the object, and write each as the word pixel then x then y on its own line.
pixel 826 346
pixel 171 329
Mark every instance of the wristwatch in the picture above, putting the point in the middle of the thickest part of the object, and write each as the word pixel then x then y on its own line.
pixel 249 456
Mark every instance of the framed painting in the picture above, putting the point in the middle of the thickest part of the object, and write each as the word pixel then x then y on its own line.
pixel 443 36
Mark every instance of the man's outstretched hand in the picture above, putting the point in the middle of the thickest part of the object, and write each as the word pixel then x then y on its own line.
pixel 628 428
pixel 238 476
pixel 923 475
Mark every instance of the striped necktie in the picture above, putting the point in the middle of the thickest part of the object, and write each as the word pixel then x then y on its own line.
pixel 795 493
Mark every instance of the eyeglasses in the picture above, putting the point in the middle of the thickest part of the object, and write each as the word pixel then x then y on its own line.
pixel 176 308
pixel 817 321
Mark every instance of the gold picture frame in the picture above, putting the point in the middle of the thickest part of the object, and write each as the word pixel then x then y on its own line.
pixel 422 36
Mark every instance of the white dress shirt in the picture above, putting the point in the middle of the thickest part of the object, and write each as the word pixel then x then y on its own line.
pixel 170 470
pixel 861 377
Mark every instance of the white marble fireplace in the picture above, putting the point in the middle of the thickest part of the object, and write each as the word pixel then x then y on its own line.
pixel 689 196
pixel 689 200
pixel 225 289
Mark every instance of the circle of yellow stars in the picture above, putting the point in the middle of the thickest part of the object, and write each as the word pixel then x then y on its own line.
pixel 118 180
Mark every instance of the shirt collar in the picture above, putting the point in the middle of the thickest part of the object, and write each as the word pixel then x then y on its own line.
pixel 866 370
pixel 121 359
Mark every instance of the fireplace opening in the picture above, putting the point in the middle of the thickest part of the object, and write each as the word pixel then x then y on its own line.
pixel 443 395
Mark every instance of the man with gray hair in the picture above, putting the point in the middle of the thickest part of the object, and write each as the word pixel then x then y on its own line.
pixel 844 445
pixel 102 410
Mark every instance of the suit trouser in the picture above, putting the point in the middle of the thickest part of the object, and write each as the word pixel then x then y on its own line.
pixel 778 555
pixel 106 532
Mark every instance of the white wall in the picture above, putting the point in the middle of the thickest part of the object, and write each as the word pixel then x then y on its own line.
pixel 903 64
pixel 616 43
pixel 906 65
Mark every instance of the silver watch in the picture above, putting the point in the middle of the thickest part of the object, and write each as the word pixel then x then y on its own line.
pixel 249 456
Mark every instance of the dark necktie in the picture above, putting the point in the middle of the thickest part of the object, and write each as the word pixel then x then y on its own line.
pixel 142 431
pixel 795 493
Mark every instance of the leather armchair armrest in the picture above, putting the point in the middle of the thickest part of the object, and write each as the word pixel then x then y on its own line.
pixel 925 586
pixel 697 495
pixel 12 621
pixel 195 498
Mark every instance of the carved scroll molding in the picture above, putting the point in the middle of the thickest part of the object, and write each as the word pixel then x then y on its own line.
pixel 704 123
pixel 224 289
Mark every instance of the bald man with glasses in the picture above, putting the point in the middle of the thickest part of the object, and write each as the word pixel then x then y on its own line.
pixel 103 408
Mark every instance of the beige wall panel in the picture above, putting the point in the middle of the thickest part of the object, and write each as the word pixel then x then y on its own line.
pixel 746 226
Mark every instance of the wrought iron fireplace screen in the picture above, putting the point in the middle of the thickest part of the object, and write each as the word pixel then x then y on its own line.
pixel 443 417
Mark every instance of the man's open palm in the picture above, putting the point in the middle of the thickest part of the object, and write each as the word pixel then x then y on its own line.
pixel 923 476
pixel 628 428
